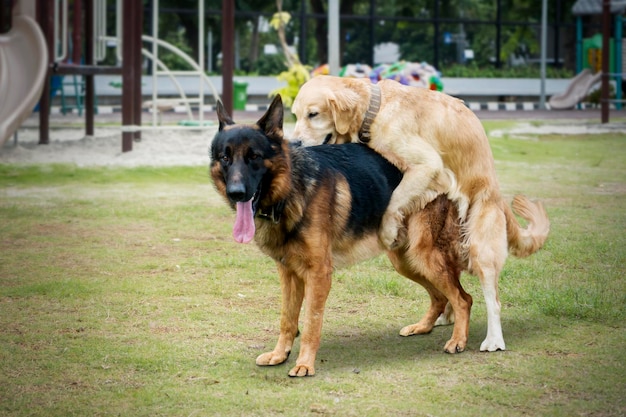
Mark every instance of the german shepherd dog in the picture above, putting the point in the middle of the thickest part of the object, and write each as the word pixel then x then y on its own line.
pixel 316 208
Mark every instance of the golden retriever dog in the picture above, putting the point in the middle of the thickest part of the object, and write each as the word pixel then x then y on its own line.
pixel 441 147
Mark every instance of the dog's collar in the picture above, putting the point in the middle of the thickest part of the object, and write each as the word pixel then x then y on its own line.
pixel 273 213
pixel 370 114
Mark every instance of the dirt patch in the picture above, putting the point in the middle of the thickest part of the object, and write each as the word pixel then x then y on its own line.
pixel 571 127
pixel 164 147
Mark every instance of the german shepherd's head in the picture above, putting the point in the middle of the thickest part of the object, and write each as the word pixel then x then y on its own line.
pixel 241 156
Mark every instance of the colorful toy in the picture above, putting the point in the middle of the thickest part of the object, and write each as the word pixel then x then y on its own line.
pixel 408 73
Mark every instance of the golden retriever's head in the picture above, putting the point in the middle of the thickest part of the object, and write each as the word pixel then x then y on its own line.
pixel 329 110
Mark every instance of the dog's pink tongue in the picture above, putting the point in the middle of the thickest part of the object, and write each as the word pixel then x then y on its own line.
pixel 244 229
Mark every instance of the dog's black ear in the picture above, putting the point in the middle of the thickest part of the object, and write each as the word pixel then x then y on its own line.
pixel 272 121
pixel 222 116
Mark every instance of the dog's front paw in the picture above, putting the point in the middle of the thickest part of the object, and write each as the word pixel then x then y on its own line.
pixel 302 370
pixel 455 346
pixel 271 358
pixel 389 233
pixel 414 329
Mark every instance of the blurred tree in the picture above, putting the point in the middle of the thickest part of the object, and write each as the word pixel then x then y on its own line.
pixel 408 23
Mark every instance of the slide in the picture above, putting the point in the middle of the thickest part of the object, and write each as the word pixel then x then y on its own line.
pixel 576 90
pixel 23 61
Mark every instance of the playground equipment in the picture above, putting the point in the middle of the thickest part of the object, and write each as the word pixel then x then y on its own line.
pixel 197 69
pixel 53 19
pixel 128 39
pixel 21 74
pixel 576 90
pixel 156 104
pixel 615 67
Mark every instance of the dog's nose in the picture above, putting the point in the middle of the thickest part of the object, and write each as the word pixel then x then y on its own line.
pixel 236 192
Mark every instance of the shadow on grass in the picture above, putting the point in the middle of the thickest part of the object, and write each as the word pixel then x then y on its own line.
pixel 381 347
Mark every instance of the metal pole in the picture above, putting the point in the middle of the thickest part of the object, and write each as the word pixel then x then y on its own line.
pixel 498 33
pixel 137 67
pixel 209 42
pixel 201 59
pixel 606 34
pixel 544 44
pixel 334 61
pixel 302 45
pixel 155 59
pixel 437 36
pixel 579 44
pixel 372 28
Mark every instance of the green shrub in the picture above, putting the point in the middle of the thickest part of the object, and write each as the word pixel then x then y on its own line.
pixel 527 71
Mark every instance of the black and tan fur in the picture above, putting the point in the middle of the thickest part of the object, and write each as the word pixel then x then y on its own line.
pixel 318 208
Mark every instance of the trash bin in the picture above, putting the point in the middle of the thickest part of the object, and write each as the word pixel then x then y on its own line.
pixel 240 93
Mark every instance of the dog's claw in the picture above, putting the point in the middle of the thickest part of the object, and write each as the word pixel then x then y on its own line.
pixel 302 370
pixel 454 346
pixel 271 358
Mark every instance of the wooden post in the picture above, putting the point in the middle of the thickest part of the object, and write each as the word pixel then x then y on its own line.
pixel 46 21
pixel 131 75
pixel 606 35
pixel 89 60
pixel 228 53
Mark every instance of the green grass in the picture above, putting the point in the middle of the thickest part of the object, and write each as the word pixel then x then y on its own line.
pixel 123 293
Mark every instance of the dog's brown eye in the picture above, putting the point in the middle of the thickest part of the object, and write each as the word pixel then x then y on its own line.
pixel 313 114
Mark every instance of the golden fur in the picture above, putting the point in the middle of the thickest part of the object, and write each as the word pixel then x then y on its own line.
pixel 441 147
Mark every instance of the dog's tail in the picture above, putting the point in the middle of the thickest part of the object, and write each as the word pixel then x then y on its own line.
pixel 526 241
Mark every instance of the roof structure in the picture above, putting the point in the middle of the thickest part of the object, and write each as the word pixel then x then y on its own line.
pixel 586 7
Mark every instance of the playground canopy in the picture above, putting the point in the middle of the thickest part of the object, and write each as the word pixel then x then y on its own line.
pixel 586 7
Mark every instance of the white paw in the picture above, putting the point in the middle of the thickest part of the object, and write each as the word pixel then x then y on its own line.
pixel 444 320
pixel 492 345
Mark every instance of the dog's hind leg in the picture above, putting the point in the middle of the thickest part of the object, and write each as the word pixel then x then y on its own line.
pixel 292 295
pixel 433 259
pixel 486 230
pixel 444 289
pixel 447 317
pixel 438 302
pixel 461 304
